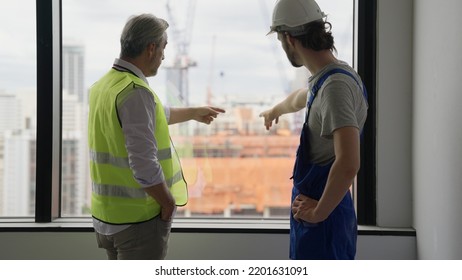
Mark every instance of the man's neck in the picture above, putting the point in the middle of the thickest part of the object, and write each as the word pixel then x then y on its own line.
pixel 138 62
pixel 315 61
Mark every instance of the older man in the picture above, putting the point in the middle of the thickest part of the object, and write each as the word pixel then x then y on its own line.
pixel 137 180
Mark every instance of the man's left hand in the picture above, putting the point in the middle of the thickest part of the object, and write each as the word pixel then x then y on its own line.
pixel 303 208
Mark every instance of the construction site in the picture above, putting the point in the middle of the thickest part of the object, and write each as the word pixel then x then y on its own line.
pixel 234 167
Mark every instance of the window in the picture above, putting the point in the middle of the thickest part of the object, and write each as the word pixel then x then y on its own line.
pixel 234 167
pixel 17 109
pixel 231 63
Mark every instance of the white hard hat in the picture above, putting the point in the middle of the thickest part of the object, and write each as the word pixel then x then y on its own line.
pixel 291 15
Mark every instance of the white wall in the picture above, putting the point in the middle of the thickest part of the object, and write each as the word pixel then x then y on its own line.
pixel 394 113
pixel 418 122
pixel 189 246
pixel 437 129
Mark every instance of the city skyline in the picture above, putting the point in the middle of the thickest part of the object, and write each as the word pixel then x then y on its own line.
pixel 244 63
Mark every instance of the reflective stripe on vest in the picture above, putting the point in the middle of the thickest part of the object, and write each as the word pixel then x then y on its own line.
pixel 116 196
pixel 128 192
pixel 122 162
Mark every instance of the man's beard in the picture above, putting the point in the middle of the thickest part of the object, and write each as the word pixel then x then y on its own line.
pixel 292 61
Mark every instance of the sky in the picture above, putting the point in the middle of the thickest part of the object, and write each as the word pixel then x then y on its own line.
pixel 245 62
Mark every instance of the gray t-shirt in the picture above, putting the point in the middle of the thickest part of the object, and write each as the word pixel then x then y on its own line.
pixel 339 103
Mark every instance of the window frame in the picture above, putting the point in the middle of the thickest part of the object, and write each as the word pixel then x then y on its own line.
pixel 49 106
pixel 366 26
pixel 49 112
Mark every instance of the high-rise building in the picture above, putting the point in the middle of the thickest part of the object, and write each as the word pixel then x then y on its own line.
pixel 10 113
pixel 19 173
pixel 75 173
pixel 10 119
pixel 73 67
pixel 73 155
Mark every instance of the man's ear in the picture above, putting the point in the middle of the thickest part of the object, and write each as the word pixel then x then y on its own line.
pixel 289 39
pixel 151 48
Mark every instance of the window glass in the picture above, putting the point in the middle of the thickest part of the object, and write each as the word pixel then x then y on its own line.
pixel 218 54
pixel 17 108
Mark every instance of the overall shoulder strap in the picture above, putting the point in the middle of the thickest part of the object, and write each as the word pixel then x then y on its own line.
pixel 320 82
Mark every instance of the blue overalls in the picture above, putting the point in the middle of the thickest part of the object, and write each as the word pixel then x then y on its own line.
pixel 335 237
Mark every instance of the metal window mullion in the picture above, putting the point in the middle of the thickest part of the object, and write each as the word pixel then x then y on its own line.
pixel 366 57
pixel 48 159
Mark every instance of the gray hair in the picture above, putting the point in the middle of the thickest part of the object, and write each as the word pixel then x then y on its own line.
pixel 139 32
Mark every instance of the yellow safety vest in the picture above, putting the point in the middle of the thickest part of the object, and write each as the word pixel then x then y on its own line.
pixel 116 196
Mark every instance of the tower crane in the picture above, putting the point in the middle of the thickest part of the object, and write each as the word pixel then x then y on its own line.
pixel 177 74
pixel 279 65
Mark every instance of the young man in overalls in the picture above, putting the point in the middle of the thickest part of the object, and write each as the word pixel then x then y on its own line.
pixel 323 221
